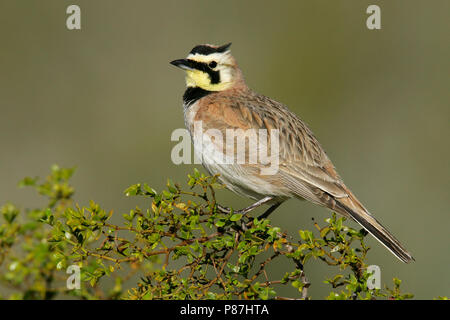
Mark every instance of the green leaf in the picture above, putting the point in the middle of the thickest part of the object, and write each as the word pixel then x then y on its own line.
pixel 133 190
pixel 303 235
pixel 28 182
pixel 220 223
pixel 324 232
pixel 149 191
pixel 236 217
pixel 9 212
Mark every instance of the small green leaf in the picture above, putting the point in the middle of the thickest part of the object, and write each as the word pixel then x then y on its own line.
pixel 133 190
pixel 149 191
pixel 236 217
pixel 220 223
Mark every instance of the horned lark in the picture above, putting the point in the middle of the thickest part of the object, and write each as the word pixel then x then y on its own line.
pixel 218 98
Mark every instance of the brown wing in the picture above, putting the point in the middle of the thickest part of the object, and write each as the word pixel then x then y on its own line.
pixel 304 168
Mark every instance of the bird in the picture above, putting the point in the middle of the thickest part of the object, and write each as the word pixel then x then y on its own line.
pixel 218 98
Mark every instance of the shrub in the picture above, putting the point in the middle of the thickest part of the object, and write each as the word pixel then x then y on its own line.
pixel 180 247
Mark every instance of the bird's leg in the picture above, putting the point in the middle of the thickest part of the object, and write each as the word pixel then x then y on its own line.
pixel 255 205
pixel 249 208
pixel 269 211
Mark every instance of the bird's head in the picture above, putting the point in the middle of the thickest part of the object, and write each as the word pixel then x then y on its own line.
pixel 210 67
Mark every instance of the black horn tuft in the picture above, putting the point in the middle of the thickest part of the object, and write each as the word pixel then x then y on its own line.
pixel 207 49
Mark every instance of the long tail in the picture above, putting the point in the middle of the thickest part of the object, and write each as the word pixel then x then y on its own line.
pixel 354 208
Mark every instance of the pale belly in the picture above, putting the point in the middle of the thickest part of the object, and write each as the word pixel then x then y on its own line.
pixel 237 177
pixel 237 180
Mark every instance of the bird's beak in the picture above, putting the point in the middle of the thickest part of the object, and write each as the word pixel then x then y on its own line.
pixel 182 63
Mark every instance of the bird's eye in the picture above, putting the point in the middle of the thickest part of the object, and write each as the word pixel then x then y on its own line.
pixel 212 64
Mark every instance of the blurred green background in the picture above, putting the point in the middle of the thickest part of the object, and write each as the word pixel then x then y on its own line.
pixel 106 100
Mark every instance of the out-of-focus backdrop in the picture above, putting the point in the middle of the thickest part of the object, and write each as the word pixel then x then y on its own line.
pixel 106 100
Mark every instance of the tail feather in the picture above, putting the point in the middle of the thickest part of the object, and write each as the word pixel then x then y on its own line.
pixel 354 208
